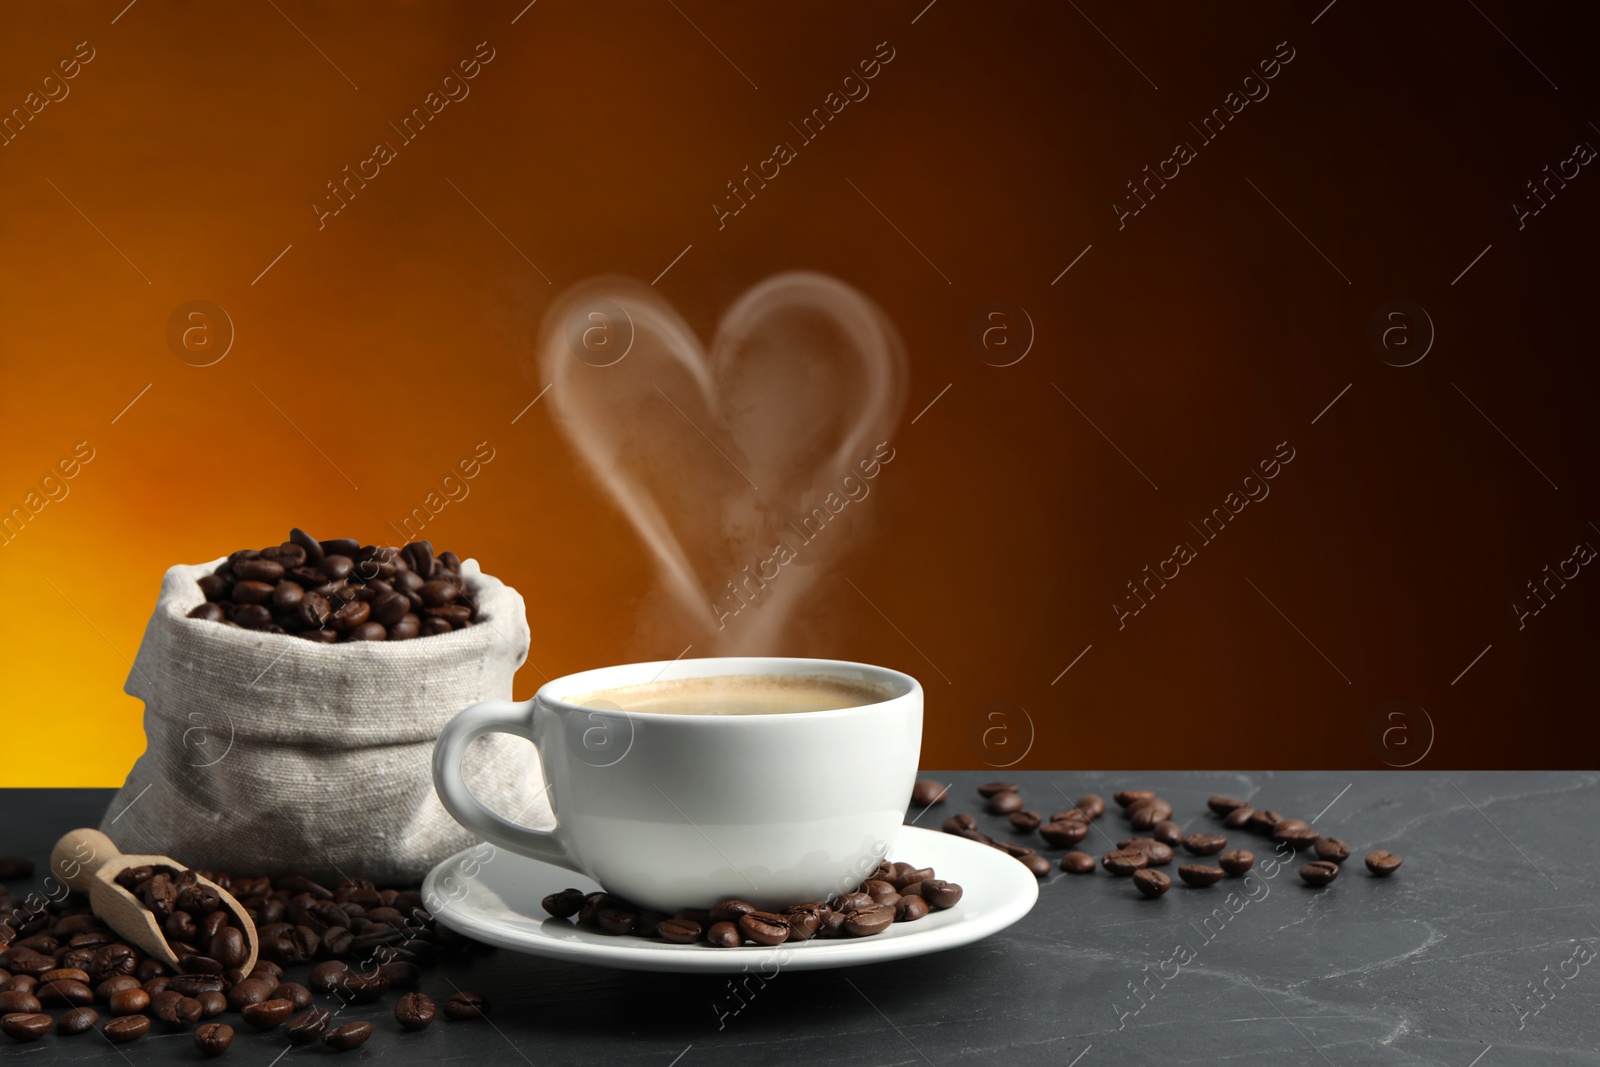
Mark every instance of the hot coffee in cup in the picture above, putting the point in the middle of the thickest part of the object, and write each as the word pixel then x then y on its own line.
pixel 683 783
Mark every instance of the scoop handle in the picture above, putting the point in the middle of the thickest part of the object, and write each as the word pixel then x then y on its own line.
pixel 79 854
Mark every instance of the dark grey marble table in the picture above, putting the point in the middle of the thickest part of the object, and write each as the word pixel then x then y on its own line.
pixel 1479 953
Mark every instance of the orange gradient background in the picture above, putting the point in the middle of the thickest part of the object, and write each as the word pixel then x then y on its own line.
pixel 1197 337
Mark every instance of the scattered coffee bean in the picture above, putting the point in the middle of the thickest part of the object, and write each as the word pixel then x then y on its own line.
pixel 126 1028
pixel 1200 875
pixel 1025 821
pixel 1005 803
pixel 300 996
pixel 324 977
pixel 1064 832
pixel 415 1011
pixel 19 1001
pixel 995 788
pixel 1332 849
pixel 1319 872
pixel 1127 798
pixel 348 1036
pixel 959 822
pixel 1151 883
pixel 1157 852
pixel 1124 861
pixel 1296 833
pixel 77 1021
pixel 1167 832
pixel 23 1026
pixel 466 1005
pixel 1077 863
pixel 1263 821
pixel 129 1001
pixel 1236 861
pixel 1383 863
pixel 1238 818
pixel 1146 813
pixel 269 1014
pixel 213 1039
pixel 212 1003
pixel 1223 805
pixel 1204 844
pixel 64 992
pixel 306 1027
pixel 927 792
pixel 1091 805
pixel 1037 864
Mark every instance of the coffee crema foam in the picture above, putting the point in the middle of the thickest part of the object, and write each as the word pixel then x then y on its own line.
pixel 737 694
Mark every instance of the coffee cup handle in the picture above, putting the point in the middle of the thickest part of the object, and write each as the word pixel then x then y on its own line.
pixel 490 717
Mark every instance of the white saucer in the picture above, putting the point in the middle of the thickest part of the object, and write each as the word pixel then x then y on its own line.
pixel 494 896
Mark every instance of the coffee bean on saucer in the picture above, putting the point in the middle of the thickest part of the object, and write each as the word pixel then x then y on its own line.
pixel 21 1026
pixel 1296 833
pixel 348 1036
pixel 1319 872
pixel 910 876
pixel 1025 821
pixel 565 904
pixel 865 922
pixel 1236 861
pixel 306 1027
pixel 1091 805
pixel 927 792
pixel 1077 863
pixel 1238 818
pixel 1200 875
pixel 1223 805
pixel 1005 803
pixel 995 788
pixel 126 1028
pixel 959 822
pixel 213 1039
pixel 466 1005
pixel 1263 821
pixel 724 935
pixel 912 908
pixel 1332 849
pixel 1204 844
pixel 615 920
pixel 77 1021
pixel 765 928
pixel 1124 861
pixel 1036 863
pixel 1127 798
pixel 1383 863
pixel 1151 883
pixel 1167 832
pixel 730 910
pixel 940 894
pixel 679 931
pixel 1065 832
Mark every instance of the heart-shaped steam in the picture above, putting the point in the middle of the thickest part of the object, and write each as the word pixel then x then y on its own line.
pixel 744 469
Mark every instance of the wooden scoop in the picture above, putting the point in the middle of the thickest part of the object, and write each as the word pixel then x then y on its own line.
pixel 88 861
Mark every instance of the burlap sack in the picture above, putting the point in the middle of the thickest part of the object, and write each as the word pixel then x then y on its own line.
pixel 267 753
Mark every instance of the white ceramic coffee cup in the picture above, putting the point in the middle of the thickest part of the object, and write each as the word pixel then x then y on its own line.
pixel 679 811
